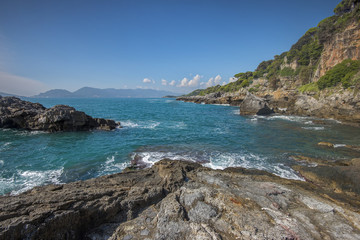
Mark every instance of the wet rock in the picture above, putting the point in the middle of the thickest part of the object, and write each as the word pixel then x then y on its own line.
pixel 16 113
pixel 181 200
pixel 254 105
pixel 326 144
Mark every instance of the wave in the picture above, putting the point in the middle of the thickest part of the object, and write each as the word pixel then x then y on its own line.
pixel 140 124
pixel 26 180
pixel 214 160
pixel 111 166
pixel 1 162
pixel 339 145
pixel 314 128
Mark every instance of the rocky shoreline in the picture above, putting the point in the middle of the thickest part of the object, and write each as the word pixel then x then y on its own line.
pixel 343 106
pixel 19 114
pixel 184 200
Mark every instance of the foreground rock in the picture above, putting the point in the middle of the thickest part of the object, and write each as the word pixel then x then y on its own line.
pixel 180 200
pixel 16 113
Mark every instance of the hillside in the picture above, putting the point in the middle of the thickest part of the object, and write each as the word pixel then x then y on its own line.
pixel 323 66
pixel 87 92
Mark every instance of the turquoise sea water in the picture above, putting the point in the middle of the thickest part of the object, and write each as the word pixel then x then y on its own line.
pixel 153 129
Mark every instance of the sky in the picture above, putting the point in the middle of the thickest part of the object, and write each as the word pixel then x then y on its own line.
pixel 174 45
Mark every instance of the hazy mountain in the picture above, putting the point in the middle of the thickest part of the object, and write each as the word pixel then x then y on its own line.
pixel 9 95
pixel 55 93
pixel 88 92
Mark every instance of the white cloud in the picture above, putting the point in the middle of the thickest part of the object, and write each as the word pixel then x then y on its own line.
pixel 224 83
pixel 146 80
pixel 195 81
pixel 232 79
pixel 190 83
pixel 183 83
pixel 153 81
pixel 164 82
pixel 20 85
pixel 210 82
pixel 172 83
pixel 217 80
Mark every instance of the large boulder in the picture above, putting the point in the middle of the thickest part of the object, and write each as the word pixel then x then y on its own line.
pixel 254 105
pixel 16 113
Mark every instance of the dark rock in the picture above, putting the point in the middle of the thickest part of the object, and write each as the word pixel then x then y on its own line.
pixel 254 105
pixel 16 113
pixel 181 200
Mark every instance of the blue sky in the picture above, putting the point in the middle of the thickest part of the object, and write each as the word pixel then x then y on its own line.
pixel 176 45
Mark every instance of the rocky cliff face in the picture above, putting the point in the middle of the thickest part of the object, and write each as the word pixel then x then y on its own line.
pixel 15 113
pixel 290 81
pixel 341 46
pixel 183 200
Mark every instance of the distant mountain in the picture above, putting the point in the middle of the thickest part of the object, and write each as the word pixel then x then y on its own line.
pixel 9 95
pixel 88 92
pixel 55 93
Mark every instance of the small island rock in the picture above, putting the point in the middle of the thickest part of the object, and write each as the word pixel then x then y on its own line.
pixel 16 113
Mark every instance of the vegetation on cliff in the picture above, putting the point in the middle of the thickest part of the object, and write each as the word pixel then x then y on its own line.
pixel 342 73
pixel 299 64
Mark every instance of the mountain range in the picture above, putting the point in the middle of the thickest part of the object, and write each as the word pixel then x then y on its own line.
pixel 88 92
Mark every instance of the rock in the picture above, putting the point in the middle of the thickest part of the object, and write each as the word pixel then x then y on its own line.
pixel 326 144
pixel 254 105
pixel 181 200
pixel 16 113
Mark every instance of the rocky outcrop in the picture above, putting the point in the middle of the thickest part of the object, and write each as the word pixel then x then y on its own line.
pixel 181 200
pixel 16 113
pixel 252 105
pixel 341 46
pixel 233 99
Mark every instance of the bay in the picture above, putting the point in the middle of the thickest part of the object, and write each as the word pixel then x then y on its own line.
pixel 153 129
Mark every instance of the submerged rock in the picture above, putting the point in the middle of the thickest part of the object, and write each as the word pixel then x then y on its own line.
pixel 16 113
pixel 180 200
pixel 254 105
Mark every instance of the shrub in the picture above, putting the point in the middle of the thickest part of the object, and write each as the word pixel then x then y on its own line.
pixel 342 72
pixel 287 72
pixel 311 87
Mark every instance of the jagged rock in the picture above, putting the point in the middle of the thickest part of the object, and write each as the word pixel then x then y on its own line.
pixel 254 105
pixel 181 200
pixel 16 113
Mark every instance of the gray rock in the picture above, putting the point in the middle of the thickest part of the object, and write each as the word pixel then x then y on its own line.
pixel 16 113
pixel 159 203
pixel 254 105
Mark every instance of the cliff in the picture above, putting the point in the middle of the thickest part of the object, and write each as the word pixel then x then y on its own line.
pixel 319 76
pixel 183 200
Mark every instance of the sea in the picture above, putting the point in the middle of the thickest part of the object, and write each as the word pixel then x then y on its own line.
pixel 153 129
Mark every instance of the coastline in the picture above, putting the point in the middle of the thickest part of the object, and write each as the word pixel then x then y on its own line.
pixel 180 200
pixel 342 106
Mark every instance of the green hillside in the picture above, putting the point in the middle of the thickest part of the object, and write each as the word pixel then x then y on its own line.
pixel 305 53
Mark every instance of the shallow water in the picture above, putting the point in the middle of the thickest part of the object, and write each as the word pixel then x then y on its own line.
pixel 153 129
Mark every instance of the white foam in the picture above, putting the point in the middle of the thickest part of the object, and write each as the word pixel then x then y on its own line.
pixel 219 104
pixel 309 123
pixel 236 111
pixel 339 145
pixel 219 160
pixel 110 166
pixel 177 125
pixel 287 118
pixel 1 162
pixel 30 133
pixel 314 128
pixel 30 179
pixel 140 124
pixel 129 124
